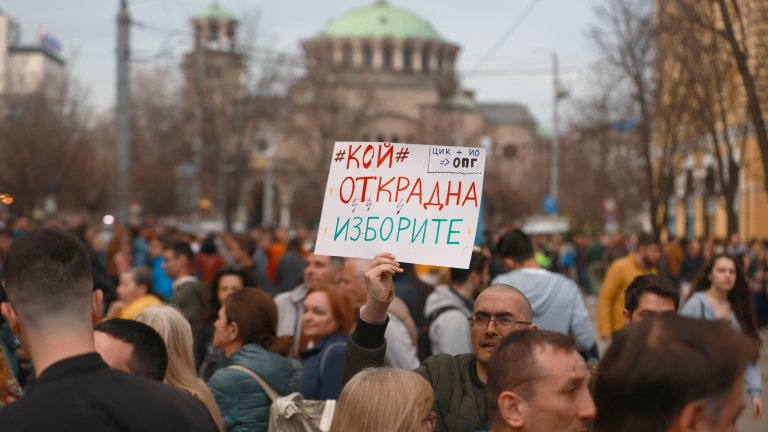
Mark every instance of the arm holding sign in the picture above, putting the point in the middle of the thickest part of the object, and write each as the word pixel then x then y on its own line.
pixel 379 287
pixel 367 346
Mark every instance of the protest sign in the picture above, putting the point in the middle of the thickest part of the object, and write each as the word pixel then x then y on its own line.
pixel 419 202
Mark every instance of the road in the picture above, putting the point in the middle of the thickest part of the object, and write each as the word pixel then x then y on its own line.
pixel 745 424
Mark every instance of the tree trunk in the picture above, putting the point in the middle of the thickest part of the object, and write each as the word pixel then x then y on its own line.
pixel 645 139
pixel 733 218
pixel 750 89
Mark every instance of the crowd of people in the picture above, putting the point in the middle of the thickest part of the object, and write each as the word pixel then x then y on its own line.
pixel 148 328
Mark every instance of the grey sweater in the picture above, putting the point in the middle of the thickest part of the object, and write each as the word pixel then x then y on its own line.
pixel 449 332
pixel 556 301
pixel 698 307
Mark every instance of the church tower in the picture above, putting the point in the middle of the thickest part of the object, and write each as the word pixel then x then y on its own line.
pixel 213 72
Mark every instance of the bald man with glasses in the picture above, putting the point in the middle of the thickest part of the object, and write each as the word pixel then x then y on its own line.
pixel 458 380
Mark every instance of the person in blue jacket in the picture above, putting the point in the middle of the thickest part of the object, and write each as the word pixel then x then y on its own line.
pixel 246 331
pixel 161 282
pixel 327 321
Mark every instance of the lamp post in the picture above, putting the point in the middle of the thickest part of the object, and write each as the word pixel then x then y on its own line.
pixel 123 114
pixel 265 146
pixel 560 93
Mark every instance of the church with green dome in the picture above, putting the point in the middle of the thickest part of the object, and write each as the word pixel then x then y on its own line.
pixel 388 62
pixel 381 20
pixel 397 77
pixel 377 73
pixel 396 66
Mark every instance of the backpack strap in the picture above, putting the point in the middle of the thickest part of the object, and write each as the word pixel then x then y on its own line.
pixel 424 347
pixel 437 312
pixel 326 352
pixel 271 393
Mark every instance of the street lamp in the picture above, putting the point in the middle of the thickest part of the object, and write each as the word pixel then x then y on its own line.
pixel 560 93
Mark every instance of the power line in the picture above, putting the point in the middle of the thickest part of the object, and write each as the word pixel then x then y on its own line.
pixel 515 25
pixel 539 71
pixel 158 29
pixel 293 59
pixel 253 49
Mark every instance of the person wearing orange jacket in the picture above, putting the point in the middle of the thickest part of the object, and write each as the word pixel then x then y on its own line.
pixel 620 274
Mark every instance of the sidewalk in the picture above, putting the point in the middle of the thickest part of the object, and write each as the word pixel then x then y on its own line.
pixel 745 424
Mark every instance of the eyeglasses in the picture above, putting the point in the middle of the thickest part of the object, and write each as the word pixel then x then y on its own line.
pixel 501 321
pixel 430 421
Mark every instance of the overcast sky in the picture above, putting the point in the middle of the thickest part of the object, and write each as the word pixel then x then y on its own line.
pixel 87 30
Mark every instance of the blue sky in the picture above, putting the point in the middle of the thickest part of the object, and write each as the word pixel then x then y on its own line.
pixel 87 30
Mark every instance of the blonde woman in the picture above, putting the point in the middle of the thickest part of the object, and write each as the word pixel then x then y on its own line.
pixel 177 334
pixel 385 400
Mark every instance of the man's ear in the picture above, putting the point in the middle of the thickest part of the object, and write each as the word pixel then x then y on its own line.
pixel 627 317
pixel 509 263
pixel 97 305
pixel 690 419
pixel 512 409
pixel 10 315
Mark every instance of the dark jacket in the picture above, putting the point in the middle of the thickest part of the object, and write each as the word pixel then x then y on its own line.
pixel 290 271
pixel 322 368
pixel 690 267
pixel 413 292
pixel 460 401
pixel 244 405
pixel 192 299
pixel 82 393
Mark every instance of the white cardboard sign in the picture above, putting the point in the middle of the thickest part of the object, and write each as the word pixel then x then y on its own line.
pixel 419 202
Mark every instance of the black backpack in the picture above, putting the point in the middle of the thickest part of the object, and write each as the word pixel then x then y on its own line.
pixel 425 345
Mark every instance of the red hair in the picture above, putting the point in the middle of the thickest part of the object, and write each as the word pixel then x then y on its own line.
pixel 341 307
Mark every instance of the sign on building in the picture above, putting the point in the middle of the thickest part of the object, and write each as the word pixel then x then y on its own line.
pixel 419 202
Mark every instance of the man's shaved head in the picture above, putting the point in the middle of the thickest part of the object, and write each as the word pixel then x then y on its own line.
pixel 524 305
pixel 498 302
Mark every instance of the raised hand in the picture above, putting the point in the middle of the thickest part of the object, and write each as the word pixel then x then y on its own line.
pixel 379 287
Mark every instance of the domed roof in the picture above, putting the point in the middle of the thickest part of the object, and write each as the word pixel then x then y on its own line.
pixel 381 20
pixel 216 11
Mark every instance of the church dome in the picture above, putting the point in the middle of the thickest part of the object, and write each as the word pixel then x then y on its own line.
pixel 216 11
pixel 381 20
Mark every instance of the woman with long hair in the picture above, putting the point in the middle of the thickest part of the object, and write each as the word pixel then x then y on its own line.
pixel 325 326
pixel 246 331
pixel 385 400
pixel 177 334
pixel 721 291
